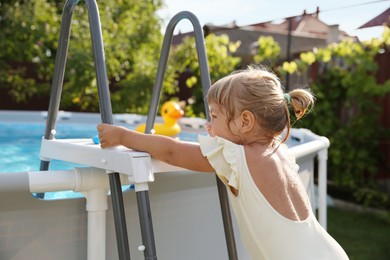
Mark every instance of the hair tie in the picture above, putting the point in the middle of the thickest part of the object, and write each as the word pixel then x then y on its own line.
pixel 287 98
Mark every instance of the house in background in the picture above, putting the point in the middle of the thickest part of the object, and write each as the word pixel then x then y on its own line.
pixel 294 35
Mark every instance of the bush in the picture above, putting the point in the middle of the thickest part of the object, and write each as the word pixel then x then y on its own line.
pixel 348 114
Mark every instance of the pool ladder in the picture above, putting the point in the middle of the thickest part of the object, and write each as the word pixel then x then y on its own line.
pixel 106 117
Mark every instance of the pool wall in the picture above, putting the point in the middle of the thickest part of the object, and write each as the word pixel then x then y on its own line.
pixel 185 209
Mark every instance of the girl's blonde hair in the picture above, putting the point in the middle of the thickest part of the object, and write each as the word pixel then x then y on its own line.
pixel 259 91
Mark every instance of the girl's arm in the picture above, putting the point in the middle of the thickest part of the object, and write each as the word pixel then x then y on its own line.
pixel 163 148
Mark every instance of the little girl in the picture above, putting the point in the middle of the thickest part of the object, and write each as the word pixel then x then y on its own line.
pixel 249 112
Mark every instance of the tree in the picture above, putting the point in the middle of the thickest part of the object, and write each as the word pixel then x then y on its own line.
pixel 220 60
pixel 131 33
pixel 27 30
pixel 346 91
pixel 268 50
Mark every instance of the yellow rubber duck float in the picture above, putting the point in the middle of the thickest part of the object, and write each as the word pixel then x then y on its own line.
pixel 170 112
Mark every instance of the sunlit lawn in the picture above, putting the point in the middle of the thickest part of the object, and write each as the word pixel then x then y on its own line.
pixel 363 235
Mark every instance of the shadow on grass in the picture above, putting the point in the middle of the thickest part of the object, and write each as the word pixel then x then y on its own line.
pixel 363 235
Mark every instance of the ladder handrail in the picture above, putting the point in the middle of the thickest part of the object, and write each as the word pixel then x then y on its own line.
pixel 106 116
pixel 104 104
pixel 206 83
pixel 202 57
pixel 99 59
pixel 58 76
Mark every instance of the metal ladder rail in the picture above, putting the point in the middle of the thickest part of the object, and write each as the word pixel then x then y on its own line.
pixel 206 83
pixel 104 103
pixel 58 77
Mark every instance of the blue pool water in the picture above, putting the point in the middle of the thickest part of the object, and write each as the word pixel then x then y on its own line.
pixel 20 144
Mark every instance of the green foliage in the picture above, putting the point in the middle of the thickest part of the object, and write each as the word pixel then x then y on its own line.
pixel 348 114
pixel 220 60
pixel 268 50
pixel 27 47
pixel 132 39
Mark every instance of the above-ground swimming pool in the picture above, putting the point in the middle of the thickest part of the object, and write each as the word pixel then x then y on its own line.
pixel 185 206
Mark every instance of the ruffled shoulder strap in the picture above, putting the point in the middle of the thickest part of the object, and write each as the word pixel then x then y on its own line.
pixel 222 155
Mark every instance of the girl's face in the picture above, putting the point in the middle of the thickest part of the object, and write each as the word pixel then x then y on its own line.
pixel 218 125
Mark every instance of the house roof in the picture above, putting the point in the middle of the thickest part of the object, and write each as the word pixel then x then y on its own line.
pixel 382 19
pixel 249 35
pixel 307 32
pixel 308 24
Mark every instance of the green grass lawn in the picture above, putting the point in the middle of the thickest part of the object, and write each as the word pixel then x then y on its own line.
pixel 363 235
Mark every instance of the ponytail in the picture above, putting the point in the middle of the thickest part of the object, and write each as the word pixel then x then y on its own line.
pixel 301 101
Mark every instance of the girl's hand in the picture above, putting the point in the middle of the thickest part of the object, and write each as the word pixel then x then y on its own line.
pixel 110 135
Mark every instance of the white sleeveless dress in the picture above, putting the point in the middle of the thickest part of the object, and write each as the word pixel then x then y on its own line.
pixel 264 232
